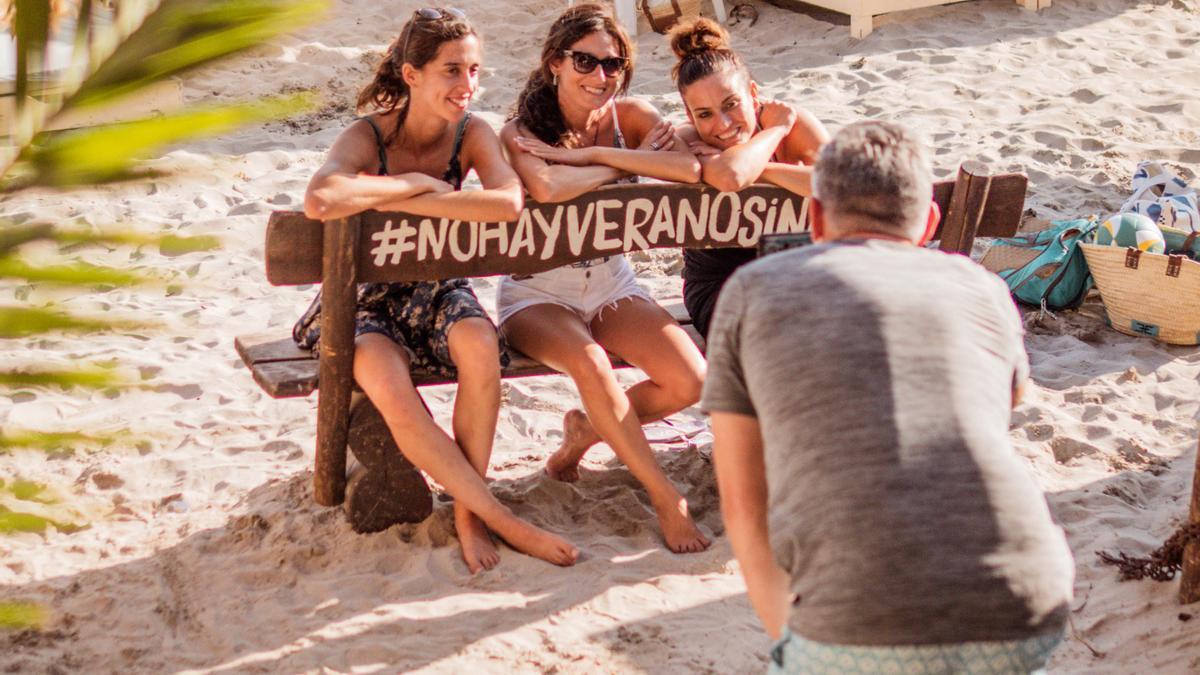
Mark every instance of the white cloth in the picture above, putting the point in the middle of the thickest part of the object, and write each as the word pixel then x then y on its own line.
pixel 584 290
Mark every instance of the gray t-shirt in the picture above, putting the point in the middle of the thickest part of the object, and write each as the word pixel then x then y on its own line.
pixel 881 375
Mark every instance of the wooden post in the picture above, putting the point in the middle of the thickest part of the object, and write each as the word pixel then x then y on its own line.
pixel 860 26
pixel 336 380
pixel 961 221
pixel 1189 585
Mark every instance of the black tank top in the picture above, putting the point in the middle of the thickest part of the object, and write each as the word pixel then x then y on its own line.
pixel 453 174
pixel 717 264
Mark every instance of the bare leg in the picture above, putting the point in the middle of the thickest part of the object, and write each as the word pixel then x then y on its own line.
pixel 381 368
pixel 646 336
pixel 557 337
pixel 475 351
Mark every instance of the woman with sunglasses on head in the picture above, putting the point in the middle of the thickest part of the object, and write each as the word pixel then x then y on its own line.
pixel 411 155
pixel 740 139
pixel 571 133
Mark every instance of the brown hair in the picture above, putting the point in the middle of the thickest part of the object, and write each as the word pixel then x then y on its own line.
pixel 417 45
pixel 703 49
pixel 537 105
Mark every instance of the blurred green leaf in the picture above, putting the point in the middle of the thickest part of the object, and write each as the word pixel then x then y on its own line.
pixel 107 153
pixel 14 521
pixel 92 378
pixel 173 245
pixel 20 322
pixel 183 34
pixel 79 274
pixel 28 491
pixel 14 236
pixel 21 616
pixel 49 441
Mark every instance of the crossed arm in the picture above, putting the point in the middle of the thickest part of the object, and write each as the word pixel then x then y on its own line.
pixel 794 135
pixel 344 185
pixel 742 482
pixel 554 174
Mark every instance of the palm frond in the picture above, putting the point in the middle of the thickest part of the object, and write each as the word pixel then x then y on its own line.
pixel 89 377
pixel 109 153
pixel 48 441
pixel 13 236
pixel 78 274
pixel 21 615
pixel 18 322
pixel 183 34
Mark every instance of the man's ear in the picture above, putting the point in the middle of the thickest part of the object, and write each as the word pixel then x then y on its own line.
pixel 931 223
pixel 816 214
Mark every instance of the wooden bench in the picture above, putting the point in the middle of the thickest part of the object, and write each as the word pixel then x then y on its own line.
pixel 393 247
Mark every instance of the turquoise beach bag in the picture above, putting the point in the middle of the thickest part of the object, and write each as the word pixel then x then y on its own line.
pixel 1046 268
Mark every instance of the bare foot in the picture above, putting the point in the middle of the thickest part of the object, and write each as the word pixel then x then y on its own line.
pixel 478 549
pixel 680 530
pixel 535 541
pixel 578 436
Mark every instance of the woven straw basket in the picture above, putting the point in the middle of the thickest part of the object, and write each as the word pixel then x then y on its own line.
pixel 1148 294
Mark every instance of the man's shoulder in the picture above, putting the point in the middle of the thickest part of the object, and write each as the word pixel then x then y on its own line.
pixel 771 266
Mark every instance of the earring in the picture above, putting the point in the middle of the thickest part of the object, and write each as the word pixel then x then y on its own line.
pixel 554 80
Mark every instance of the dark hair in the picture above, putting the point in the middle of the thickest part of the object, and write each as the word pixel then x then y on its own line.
pixel 537 105
pixel 417 45
pixel 703 49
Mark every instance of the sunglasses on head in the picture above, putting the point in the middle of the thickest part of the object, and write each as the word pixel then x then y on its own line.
pixel 432 14
pixel 435 13
pixel 585 63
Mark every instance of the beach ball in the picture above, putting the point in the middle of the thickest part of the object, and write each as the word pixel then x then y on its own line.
pixel 1131 229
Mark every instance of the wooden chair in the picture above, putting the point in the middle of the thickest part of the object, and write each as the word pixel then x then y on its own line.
pixel 627 12
pixel 388 247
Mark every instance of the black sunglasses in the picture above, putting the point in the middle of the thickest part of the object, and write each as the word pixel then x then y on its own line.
pixel 585 63
pixel 432 14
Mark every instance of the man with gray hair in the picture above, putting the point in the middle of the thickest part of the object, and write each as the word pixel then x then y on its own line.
pixel 860 391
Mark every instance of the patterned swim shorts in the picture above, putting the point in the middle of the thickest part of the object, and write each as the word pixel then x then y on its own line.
pixel 793 655
pixel 415 315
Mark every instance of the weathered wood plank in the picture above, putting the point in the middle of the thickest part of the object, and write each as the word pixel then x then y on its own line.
pixel 338 298
pixel 1002 212
pixel 269 346
pixel 1189 584
pixel 608 220
pixel 962 219
pixel 290 379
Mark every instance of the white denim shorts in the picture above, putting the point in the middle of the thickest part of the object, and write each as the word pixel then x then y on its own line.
pixel 586 288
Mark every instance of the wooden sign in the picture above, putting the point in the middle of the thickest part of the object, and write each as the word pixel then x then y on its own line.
pixel 607 221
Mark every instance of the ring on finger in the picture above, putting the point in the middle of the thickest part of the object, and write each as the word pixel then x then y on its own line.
pixel 653 146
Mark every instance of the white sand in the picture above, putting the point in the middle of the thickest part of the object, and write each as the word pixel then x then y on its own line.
pixel 207 553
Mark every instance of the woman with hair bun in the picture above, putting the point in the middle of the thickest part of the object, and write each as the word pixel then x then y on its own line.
pixel 571 132
pixel 411 155
pixel 739 139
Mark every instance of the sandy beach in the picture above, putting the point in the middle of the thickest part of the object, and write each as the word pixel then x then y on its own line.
pixel 206 553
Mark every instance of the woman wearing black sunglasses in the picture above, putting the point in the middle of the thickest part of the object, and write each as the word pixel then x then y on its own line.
pixel 571 133
pixel 411 155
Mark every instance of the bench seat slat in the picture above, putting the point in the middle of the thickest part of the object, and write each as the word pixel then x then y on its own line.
pixel 299 377
pixel 269 347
